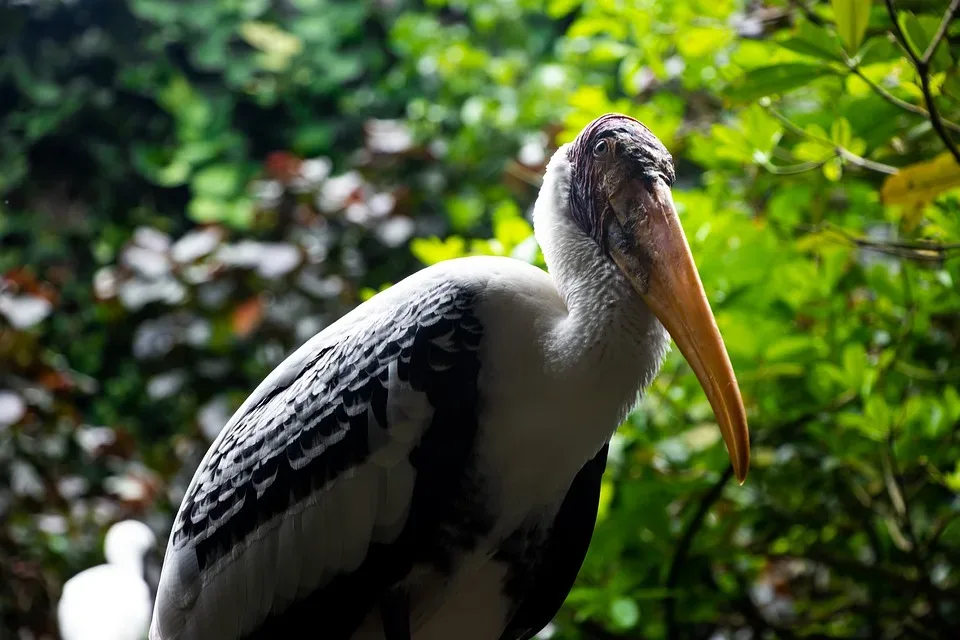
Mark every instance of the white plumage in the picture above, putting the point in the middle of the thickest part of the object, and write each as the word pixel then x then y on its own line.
pixel 110 601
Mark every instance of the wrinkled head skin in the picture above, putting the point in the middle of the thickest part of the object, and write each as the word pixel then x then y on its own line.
pixel 620 196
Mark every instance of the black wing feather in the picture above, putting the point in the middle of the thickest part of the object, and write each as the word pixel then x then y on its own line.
pixel 562 553
pixel 311 425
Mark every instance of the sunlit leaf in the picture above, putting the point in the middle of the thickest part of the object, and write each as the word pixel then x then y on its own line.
pixel 852 18
pixel 811 40
pixel 433 250
pixel 953 479
pixel 217 181
pixel 776 79
pixel 919 31
pixel 624 612
pixel 271 39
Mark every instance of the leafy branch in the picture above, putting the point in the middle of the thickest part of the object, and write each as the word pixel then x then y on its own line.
pixel 838 150
pixel 922 65
pixel 924 251
pixel 854 68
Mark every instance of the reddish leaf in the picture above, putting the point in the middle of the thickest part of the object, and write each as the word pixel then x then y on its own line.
pixel 247 316
pixel 283 166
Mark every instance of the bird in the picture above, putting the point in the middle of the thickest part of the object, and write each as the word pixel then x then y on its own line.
pixel 111 601
pixel 428 466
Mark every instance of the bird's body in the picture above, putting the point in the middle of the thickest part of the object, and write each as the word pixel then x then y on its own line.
pixel 110 601
pixel 399 476
pixel 105 602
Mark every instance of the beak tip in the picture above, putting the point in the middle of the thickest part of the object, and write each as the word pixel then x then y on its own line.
pixel 741 477
pixel 741 466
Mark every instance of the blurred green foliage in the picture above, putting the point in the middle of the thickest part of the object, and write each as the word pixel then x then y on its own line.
pixel 189 190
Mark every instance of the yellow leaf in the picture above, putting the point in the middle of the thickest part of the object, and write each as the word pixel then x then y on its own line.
pixel 433 250
pixel 918 185
pixel 277 45
pixel 701 437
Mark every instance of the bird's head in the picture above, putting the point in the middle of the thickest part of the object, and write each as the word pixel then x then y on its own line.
pixel 620 196
pixel 128 541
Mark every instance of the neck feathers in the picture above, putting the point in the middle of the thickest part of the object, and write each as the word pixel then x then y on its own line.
pixel 608 330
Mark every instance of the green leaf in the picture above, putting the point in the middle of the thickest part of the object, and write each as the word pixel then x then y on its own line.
pixel 699 42
pixel 241 213
pixel 155 165
pixel 560 8
pixel 951 402
pixel 625 613
pixel 878 413
pixel 761 129
pixel 791 348
pixel 852 17
pixel 217 181
pixel 776 79
pixel 854 364
pixel 952 480
pixel 840 132
pixel 510 232
pixel 833 169
pixel 464 211
pixel 813 41
pixel 433 250
pixel 919 32
pixel 159 11
pixel 204 210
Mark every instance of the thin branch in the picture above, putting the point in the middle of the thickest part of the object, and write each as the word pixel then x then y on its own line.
pixel 941 32
pixel 894 100
pixel 793 169
pixel 808 13
pixel 840 151
pixel 523 174
pixel 923 251
pixel 935 119
pixel 922 65
pixel 863 163
pixel 900 35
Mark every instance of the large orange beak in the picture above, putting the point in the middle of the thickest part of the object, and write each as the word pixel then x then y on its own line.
pixel 672 289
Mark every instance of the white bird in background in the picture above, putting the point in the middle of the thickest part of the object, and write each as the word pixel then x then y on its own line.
pixel 111 601
pixel 428 467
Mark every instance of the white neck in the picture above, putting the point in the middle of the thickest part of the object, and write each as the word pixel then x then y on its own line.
pixel 609 332
pixel 126 559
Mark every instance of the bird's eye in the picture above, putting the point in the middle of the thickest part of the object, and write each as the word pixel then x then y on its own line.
pixel 600 148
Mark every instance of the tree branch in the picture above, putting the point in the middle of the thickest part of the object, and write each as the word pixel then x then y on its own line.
pixel 922 251
pixel 941 31
pixel 894 100
pixel 840 151
pixel 808 13
pixel 922 64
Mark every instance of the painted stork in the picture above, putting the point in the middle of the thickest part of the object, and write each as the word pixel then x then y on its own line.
pixel 428 467
pixel 111 601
